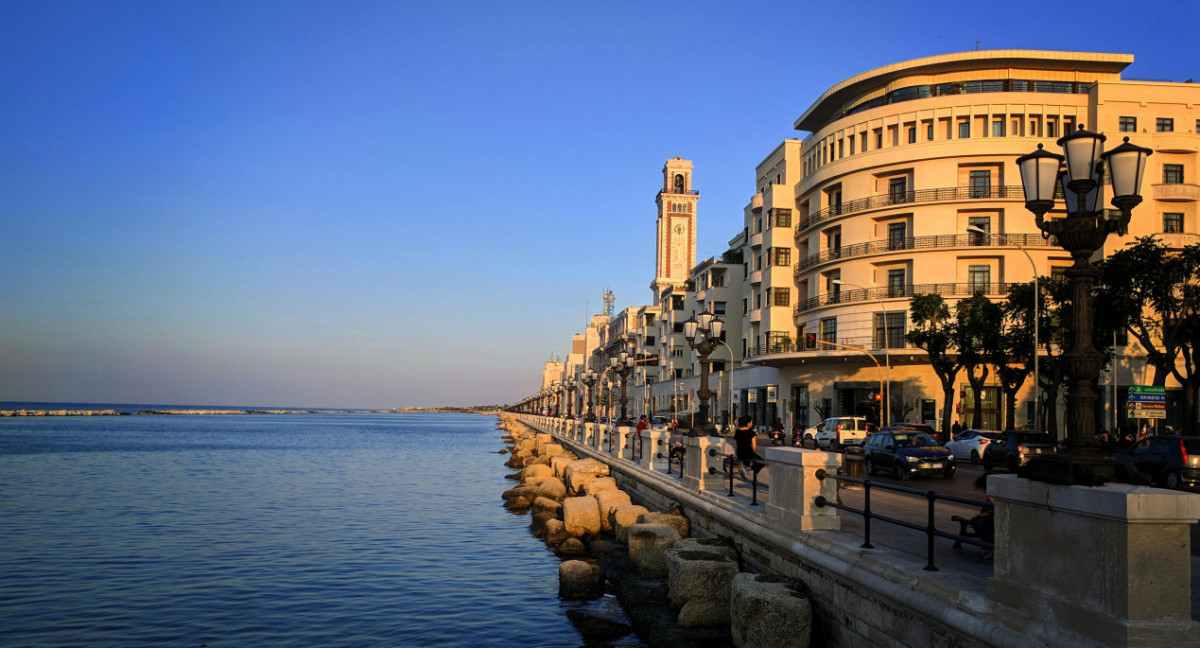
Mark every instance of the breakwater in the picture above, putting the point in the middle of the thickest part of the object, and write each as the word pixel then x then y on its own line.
pixel 678 590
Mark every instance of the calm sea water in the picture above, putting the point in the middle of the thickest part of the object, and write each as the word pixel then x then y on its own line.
pixel 269 530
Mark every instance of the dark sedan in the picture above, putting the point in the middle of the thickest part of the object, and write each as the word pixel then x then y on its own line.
pixel 907 452
pixel 1169 461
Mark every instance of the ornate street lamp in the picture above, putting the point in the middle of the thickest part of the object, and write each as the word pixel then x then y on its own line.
pixel 1081 233
pixel 571 386
pixel 703 334
pixel 588 379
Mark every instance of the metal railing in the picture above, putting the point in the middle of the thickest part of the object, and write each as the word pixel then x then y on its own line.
pixel 729 464
pixel 914 196
pixel 929 529
pixel 871 343
pixel 899 292
pixel 921 243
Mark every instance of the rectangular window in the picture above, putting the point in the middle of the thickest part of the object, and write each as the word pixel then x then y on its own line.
pixel 1127 124
pixel 829 329
pixel 781 296
pixel 964 129
pixel 979 277
pixel 783 256
pixel 981 184
pixel 878 138
pixel 895 285
pixel 912 134
pixel 929 131
pixel 757 300
pixel 1173 223
pixel 676 302
pixel 1164 125
pixel 982 222
pixel 782 217
pixel 889 330
pixel 1051 127
pixel 650 340
pixel 1172 174
pixel 998 127
pixel 677 328
pixel 897 190
pixel 851 138
pixel 897 232
pixel 1016 127
pixel 840 149
pixel 718 308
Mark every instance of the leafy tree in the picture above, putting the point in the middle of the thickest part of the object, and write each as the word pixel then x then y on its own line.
pixel 1154 293
pixel 1013 356
pixel 977 336
pixel 933 331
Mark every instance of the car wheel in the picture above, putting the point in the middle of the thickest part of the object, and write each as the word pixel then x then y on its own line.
pixel 974 456
pixel 1171 480
pixel 870 468
pixel 987 464
pixel 833 446
pixel 901 474
pixel 949 474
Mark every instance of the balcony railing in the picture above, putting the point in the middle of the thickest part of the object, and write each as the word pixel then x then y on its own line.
pixel 911 197
pixel 899 292
pixel 1176 192
pixel 788 346
pixel 920 243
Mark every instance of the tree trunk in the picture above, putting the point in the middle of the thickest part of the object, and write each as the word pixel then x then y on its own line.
pixel 1010 409
pixel 948 408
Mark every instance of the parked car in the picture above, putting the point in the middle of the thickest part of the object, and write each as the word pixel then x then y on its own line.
pixel 906 452
pixel 840 431
pixel 1015 448
pixel 970 444
pixel 1168 461
pixel 660 422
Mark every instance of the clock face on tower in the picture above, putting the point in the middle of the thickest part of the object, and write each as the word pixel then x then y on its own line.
pixel 679 229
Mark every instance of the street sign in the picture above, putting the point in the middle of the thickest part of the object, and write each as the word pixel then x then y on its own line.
pixel 1147 402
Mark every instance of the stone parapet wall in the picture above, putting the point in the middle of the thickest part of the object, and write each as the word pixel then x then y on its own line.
pixel 857 599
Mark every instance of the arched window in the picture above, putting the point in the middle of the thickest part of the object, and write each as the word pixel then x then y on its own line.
pixel 678 183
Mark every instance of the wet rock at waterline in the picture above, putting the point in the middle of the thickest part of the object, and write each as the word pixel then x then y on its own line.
pixel 579 580
pixel 624 517
pixel 673 520
pixel 698 584
pixel 570 547
pixel 598 626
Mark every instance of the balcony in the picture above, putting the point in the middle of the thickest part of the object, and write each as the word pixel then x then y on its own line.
pixel 1176 192
pixel 756 240
pixel 907 291
pixel 916 197
pixel 919 243
pixel 756 202
pixel 789 347
pixel 756 316
pixel 756 277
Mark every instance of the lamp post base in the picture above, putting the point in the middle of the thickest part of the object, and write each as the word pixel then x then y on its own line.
pixel 1069 469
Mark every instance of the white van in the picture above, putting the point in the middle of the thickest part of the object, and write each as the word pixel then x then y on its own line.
pixel 840 431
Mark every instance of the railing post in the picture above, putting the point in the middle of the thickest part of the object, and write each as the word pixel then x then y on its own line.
pixel 700 455
pixel 656 449
pixel 795 487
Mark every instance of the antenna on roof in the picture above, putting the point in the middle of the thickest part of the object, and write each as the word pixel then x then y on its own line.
pixel 609 300
pixel 977 42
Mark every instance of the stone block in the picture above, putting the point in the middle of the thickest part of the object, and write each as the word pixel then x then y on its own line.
pixel 648 548
pixel 554 532
pixel 581 516
pixel 623 517
pixel 703 578
pixel 608 501
pixel 677 522
pixel 579 472
pixel 558 463
pixel 598 484
pixel 536 471
pixel 552 488
pixel 769 612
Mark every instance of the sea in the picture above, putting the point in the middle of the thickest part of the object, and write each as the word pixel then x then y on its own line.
pixel 266 530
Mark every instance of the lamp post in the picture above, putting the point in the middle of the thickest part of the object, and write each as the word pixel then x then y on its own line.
pixel 1037 299
pixel 588 379
pixel 885 390
pixel 623 366
pixel 703 333
pixel 1081 233
pixel 571 385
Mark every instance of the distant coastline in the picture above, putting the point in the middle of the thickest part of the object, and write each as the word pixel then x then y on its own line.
pixel 46 409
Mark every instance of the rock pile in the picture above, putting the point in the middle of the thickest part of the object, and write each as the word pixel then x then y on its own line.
pixel 678 591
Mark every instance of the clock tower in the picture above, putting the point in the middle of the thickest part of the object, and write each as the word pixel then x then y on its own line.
pixel 676 226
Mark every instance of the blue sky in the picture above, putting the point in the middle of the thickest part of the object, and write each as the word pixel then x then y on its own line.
pixel 380 204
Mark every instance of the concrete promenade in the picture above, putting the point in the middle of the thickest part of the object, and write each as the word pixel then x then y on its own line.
pixel 877 596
